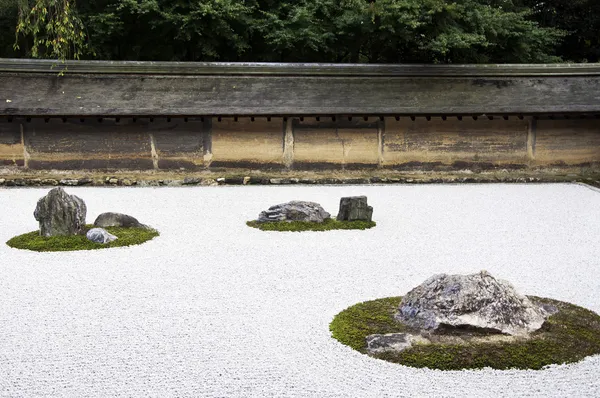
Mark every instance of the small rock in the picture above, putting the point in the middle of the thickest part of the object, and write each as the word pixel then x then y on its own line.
pixel 221 180
pixel 117 220
pixel 246 180
pixel 379 343
pixel 354 208
pixel 49 181
pixel 17 182
pixel 113 181
pixel 60 214
pixel 234 180
pixel 2 181
pixel 209 182
pixel 100 235
pixel 295 211
pixel 127 182
pixel 192 181
pixel 69 182
pixel 275 181
pixel 148 183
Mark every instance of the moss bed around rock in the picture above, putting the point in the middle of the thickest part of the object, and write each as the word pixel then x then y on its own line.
pixel 127 237
pixel 299 226
pixel 567 336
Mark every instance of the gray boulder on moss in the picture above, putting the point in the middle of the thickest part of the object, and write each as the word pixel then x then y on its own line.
pixel 105 220
pixel 60 214
pixel 477 301
pixel 294 211
pixel 354 208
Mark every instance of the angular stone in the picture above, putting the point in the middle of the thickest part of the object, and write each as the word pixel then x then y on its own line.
pixel 294 211
pixel 100 235
pixel 108 219
pixel 477 301
pixel 378 343
pixel 354 208
pixel 60 214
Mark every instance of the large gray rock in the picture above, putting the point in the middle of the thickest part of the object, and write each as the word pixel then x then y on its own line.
pixel 100 235
pixel 354 208
pixel 105 220
pixel 476 301
pixel 294 211
pixel 60 214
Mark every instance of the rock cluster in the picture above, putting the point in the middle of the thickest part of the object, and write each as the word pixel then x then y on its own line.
pixel 114 181
pixel 60 214
pixel 354 208
pixel 294 211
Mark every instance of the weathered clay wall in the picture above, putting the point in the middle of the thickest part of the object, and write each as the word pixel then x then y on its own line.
pixel 308 143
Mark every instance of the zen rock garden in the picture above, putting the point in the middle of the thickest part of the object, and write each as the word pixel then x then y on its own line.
pixel 469 321
pixel 354 213
pixel 61 219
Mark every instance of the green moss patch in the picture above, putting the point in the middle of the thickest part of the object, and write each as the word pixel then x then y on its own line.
pixel 298 226
pixel 127 237
pixel 567 336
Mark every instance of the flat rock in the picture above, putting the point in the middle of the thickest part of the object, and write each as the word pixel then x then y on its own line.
pixel 294 211
pixel 379 343
pixel 100 235
pixel 60 214
pixel 354 208
pixel 117 220
pixel 477 301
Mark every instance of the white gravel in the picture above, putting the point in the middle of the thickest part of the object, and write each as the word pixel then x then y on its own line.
pixel 213 308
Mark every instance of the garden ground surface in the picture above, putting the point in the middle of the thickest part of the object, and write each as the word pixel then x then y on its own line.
pixel 214 308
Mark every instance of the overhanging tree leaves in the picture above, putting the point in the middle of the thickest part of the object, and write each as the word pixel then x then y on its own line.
pixel 54 28
pixel 373 31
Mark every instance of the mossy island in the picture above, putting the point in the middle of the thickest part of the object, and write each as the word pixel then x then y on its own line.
pixel 62 224
pixel 566 333
pixel 297 216
pixel 127 236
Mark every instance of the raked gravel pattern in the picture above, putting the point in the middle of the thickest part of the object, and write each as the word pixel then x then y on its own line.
pixel 213 308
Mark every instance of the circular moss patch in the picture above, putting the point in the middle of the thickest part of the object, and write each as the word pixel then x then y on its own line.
pixel 127 237
pixel 570 335
pixel 298 226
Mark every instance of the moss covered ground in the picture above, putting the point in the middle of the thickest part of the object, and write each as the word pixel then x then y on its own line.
pixel 298 226
pixel 127 237
pixel 567 336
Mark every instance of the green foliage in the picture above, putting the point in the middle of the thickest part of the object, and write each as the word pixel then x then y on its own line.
pixel 127 237
pixel 53 27
pixel 568 336
pixel 382 31
pixel 298 226
pixel 579 18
